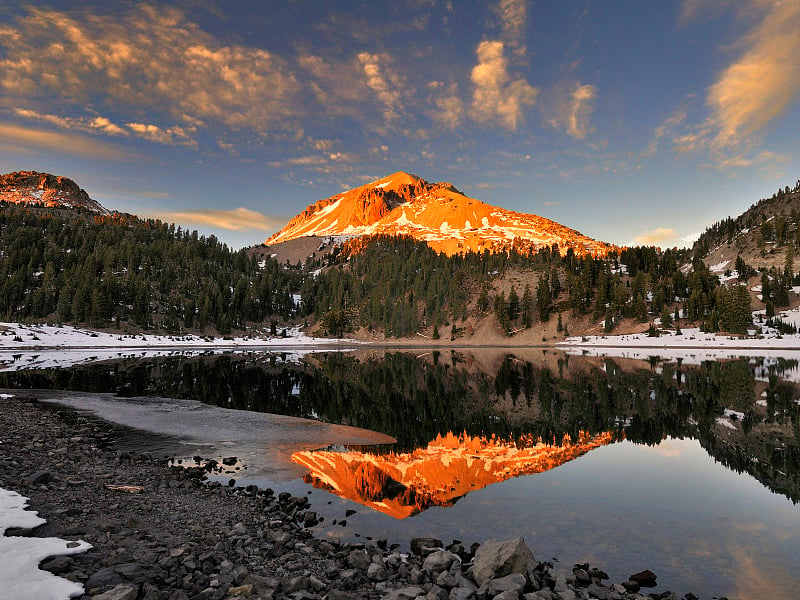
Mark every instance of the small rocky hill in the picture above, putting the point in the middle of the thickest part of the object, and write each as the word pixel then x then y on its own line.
pixel 763 235
pixel 44 189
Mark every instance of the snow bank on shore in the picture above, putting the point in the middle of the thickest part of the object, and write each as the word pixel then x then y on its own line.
pixel 20 576
pixel 693 342
pixel 15 335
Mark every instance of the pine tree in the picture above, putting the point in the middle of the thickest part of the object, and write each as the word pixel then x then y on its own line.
pixel 513 304
pixel 543 297
pixel 527 307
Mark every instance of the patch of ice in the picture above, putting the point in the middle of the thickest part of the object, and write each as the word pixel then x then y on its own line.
pixel 725 423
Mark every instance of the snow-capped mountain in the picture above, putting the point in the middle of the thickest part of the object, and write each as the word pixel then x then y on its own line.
pixel 437 213
pixel 43 189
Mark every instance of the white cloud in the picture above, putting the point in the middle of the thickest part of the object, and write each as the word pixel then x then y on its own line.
pixel 755 89
pixel 656 236
pixel 759 86
pixel 149 58
pixel 238 219
pixel 170 136
pixel 21 138
pixel 496 97
pixel 386 85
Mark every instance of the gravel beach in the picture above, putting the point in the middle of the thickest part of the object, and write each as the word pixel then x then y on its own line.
pixel 160 533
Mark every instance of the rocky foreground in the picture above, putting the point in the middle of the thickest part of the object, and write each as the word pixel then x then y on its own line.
pixel 159 533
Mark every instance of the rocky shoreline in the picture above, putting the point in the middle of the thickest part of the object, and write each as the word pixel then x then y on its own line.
pixel 160 533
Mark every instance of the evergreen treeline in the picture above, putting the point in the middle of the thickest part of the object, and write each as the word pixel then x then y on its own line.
pixel 399 285
pixel 776 220
pixel 72 266
pixel 67 266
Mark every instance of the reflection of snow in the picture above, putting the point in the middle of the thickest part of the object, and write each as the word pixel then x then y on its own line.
pixel 20 577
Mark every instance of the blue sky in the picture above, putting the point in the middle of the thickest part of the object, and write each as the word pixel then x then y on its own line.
pixel 629 121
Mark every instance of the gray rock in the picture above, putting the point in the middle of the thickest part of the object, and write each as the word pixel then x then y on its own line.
pixel 566 595
pixel 561 582
pixel 376 572
pixel 446 580
pixel 406 593
pixel 41 477
pixel 120 592
pixel 439 560
pixel 437 593
pixel 418 545
pixel 603 593
pixel 508 595
pixel 581 576
pixel 495 559
pixel 358 559
pixel 298 584
pixel 515 582
pixel 57 564
pixel 462 594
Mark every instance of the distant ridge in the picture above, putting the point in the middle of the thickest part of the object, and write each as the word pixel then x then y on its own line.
pixel 43 189
pixel 437 213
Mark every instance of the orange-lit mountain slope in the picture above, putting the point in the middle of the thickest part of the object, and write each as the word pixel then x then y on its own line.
pixel 450 466
pixel 437 213
pixel 43 189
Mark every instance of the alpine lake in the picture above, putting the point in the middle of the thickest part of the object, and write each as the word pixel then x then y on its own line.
pixel 687 467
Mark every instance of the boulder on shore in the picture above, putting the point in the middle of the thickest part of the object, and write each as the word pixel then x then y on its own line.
pixel 495 559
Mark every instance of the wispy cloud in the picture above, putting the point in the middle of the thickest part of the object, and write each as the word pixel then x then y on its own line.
pixel 16 136
pixel 238 219
pixel 665 129
pixel 755 89
pixel 513 17
pixel 496 97
pixel 386 85
pixel 95 124
pixel 150 58
pixel 759 86
pixel 98 124
pixel 170 136
pixel 656 236
pixel 571 106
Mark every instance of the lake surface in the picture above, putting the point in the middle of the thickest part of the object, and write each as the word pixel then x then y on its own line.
pixel 690 470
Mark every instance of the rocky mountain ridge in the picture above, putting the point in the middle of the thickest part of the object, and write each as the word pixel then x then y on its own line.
pixel 44 189
pixel 437 213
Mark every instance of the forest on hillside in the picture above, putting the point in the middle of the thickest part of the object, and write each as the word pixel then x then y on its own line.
pixel 68 266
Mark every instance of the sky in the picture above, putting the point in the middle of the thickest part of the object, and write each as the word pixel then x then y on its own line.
pixel 633 122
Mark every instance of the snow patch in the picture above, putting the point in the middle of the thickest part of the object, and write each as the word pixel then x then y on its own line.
pixel 20 576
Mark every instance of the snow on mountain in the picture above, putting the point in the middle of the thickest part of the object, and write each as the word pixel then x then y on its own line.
pixel 437 213
pixel 43 189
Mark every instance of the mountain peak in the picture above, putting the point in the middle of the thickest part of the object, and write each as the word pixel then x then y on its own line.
pixel 437 213
pixel 43 189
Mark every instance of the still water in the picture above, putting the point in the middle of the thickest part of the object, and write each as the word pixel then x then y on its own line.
pixel 690 470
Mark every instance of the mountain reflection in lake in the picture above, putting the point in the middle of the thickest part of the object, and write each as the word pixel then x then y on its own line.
pixel 404 484
pixel 699 483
